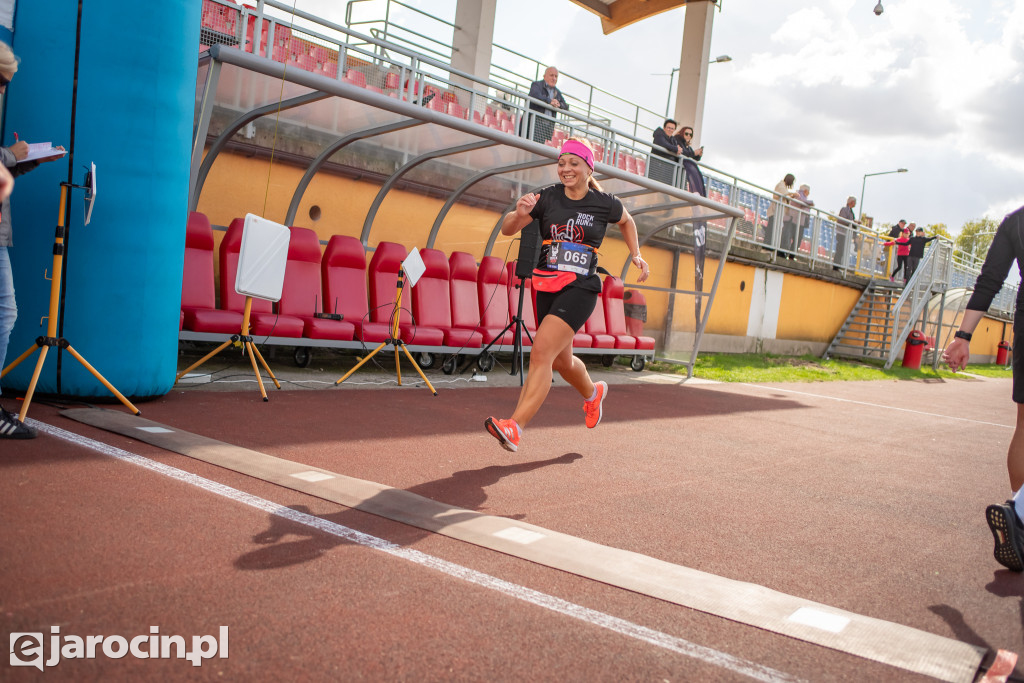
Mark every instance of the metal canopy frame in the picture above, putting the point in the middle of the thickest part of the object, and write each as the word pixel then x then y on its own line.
pixel 237 90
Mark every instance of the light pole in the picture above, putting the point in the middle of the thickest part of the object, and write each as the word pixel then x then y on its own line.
pixel 898 170
pixel 672 75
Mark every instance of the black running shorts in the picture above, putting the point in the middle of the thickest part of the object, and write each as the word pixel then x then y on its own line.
pixel 573 305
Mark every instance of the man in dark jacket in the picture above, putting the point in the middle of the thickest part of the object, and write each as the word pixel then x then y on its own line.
pixel 666 147
pixel 917 244
pixel 545 90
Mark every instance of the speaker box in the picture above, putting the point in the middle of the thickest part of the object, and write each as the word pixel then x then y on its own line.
pixel 530 243
pixel 262 258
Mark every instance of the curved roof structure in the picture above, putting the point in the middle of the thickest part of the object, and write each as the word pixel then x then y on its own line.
pixel 616 14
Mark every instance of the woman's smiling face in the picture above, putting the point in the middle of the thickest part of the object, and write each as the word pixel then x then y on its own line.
pixel 573 171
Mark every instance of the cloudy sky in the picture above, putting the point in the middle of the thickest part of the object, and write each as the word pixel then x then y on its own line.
pixel 825 90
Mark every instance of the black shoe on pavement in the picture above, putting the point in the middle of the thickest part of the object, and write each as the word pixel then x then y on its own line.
pixel 13 428
pixel 1008 534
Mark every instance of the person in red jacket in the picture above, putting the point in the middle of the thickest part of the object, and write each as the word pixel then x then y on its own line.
pixel 902 252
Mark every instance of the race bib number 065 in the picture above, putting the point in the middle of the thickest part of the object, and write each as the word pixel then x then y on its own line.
pixel 570 257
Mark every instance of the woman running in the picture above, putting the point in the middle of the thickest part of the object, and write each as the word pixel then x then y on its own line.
pixel 573 217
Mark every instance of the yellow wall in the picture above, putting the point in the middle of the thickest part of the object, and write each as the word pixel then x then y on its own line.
pixel 988 334
pixel 813 310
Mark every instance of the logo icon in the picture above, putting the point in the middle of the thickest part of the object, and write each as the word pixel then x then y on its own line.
pixel 27 650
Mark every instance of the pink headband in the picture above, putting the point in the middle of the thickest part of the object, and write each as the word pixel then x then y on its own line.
pixel 580 150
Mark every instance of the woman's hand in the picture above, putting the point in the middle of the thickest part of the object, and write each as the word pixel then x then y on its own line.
pixel 645 269
pixel 525 204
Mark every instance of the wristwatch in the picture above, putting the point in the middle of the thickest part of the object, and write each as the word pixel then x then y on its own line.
pixel 960 334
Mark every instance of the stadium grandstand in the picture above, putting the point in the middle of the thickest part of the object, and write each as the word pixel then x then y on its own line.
pixel 367 133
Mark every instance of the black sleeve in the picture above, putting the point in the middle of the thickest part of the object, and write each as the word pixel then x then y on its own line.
pixel 1001 255
pixel 538 209
pixel 615 212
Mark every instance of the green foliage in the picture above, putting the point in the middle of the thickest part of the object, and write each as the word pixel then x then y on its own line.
pixel 765 367
pixel 939 229
pixel 976 236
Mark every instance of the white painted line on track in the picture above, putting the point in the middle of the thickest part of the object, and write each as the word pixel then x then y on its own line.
pixel 872 405
pixel 585 614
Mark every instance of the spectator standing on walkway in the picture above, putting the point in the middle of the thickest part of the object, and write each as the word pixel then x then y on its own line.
pixel 916 253
pixel 694 178
pixel 685 139
pixel 1008 245
pixel 777 212
pixel 843 228
pixel 665 147
pixel 895 232
pixel 546 90
pixel 791 236
pixel 902 252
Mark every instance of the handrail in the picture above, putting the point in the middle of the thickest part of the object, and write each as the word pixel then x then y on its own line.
pixel 915 296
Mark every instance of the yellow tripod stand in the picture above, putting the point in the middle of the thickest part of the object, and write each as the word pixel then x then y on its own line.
pixel 250 348
pixel 43 344
pixel 394 339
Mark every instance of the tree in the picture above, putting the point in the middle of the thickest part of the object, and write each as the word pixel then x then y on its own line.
pixel 939 229
pixel 976 237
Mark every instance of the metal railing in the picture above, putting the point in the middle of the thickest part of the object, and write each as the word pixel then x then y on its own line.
pixel 394 58
pixel 931 275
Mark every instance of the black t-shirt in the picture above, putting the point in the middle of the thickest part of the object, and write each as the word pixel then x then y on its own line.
pixel 895 231
pixel 583 221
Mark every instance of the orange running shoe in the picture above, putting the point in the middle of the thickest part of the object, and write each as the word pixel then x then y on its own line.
pixel 505 431
pixel 592 409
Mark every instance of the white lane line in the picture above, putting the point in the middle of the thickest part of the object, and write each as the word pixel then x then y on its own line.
pixel 874 405
pixel 550 602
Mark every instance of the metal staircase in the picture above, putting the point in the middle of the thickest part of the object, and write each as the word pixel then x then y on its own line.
pixel 866 333
pixel 885 314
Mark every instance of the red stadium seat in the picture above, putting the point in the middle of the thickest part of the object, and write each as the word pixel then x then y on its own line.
pixel 582 340
pixel 343 271
pixel 199 311
pixel 462 275
pixel 280 53
pixel 432 305
pixel 385 264
pixel 615 313
pixel 492 294
pixel 302 295
pixel 597 328
pixel 455 109
pixel 356 78
pixel 323 54
pixel 615 317
pixel 529 314
pixel 262 319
